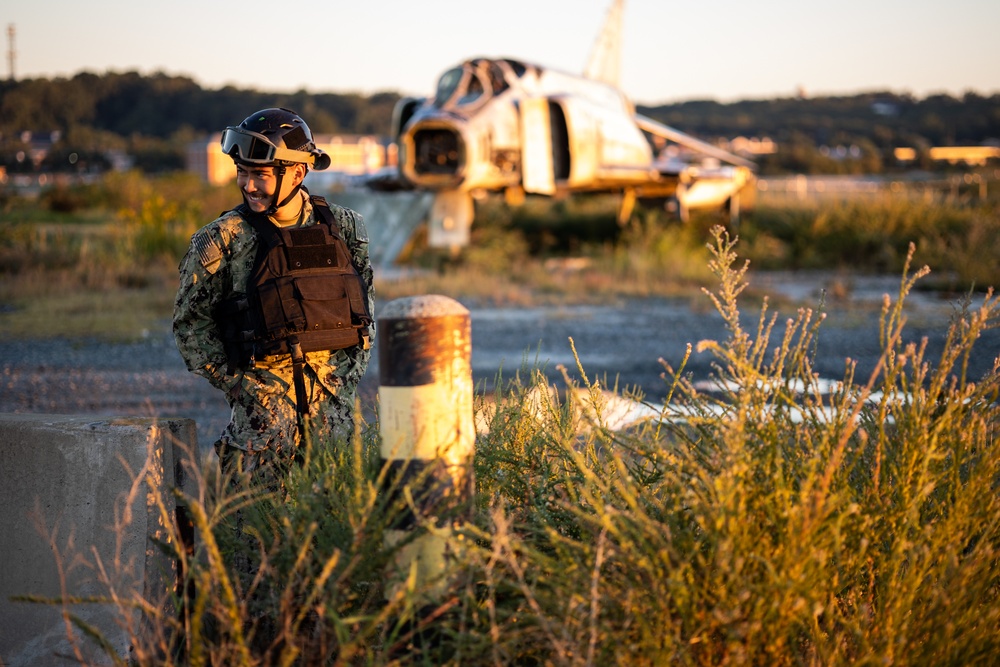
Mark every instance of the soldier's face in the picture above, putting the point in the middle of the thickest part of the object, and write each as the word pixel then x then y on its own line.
pixel 258 184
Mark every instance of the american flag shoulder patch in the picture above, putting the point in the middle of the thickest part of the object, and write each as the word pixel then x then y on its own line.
pixel 209 252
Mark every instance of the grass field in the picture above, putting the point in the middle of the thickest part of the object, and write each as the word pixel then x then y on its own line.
pixel 100 260
pixel 773 521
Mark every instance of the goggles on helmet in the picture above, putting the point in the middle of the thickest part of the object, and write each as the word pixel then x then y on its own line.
pixel 255 148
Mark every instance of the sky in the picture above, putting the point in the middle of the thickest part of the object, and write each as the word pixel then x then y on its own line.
pixel 672 51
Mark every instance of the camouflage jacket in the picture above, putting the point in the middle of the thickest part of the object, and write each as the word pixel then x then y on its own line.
pixel 218 264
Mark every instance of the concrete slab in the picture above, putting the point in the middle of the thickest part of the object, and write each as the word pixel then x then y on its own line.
pixel 391 219
pixel 78 494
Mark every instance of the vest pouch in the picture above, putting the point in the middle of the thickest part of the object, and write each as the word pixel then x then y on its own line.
pixel 281 313
pixel 304 286
pixel 237 331
pixel 324 303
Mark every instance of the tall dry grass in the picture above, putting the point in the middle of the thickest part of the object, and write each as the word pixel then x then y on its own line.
pixel 99 260
pixel 112 248
pixel 958 237
pixel 771 520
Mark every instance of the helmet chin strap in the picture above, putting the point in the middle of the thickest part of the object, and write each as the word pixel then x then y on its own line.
pixel 279 172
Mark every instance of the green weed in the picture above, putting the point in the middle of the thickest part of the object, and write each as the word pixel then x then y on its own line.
pixel 104 266
pixel 872 235
pixel 127 233
pixel 771 520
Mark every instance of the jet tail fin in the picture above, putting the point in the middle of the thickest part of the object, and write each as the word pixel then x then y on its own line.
pixel 605 58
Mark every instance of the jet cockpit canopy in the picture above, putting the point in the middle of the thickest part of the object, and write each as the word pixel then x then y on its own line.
pixel 475 81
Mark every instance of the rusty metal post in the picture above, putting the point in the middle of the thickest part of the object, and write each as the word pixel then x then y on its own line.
pixel 427 433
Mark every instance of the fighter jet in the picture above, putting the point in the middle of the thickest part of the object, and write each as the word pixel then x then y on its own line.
pixel 506 125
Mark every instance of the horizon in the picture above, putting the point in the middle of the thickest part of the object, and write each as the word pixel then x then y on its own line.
pixel 800 94
pixel 671 53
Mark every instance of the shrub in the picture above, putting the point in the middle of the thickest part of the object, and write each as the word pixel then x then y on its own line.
pixel 873 234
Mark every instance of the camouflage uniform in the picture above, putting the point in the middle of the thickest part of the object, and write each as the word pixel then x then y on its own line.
pixel 263 426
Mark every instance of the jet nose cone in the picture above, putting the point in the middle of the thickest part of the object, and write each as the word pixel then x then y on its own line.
pixel 435 155
pixel 438 151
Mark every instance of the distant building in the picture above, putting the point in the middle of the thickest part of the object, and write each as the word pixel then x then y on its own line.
pixel 885 109
pixel 36 147
pixel 970 155
pixel 119 160
pixel 752 146
pixel 205 158
pixel 350 155
pixel 355 155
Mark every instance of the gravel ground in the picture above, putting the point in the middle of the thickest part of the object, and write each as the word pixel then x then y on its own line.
pixel 623 341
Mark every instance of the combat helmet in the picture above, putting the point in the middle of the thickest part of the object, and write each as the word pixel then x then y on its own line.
pixel 275 137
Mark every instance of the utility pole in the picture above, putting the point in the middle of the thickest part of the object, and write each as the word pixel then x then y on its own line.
pixel 10 50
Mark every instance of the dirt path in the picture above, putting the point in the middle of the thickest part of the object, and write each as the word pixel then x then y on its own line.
pixel 623 341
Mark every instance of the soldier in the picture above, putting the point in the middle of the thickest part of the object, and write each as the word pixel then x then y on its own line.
pixel 281 397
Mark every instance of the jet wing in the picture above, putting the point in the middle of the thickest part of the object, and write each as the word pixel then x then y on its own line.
pixel 670 134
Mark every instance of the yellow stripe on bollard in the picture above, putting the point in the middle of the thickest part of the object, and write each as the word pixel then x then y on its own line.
pixel 427 434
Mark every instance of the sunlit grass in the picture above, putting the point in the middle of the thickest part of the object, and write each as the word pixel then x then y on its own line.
pixel 958 238
pixel 114 247
pixel 770 521
pixel 109 311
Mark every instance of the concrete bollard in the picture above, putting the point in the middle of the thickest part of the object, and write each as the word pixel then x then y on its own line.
pixel 427 432
pixel 76 490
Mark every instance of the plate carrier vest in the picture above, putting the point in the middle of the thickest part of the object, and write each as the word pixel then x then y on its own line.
pixel 303 295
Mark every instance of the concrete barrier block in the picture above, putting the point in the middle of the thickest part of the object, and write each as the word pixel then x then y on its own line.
pixel 79 514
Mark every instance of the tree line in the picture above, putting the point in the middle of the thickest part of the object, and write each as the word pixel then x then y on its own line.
pixel 808 131
pixel 151 118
